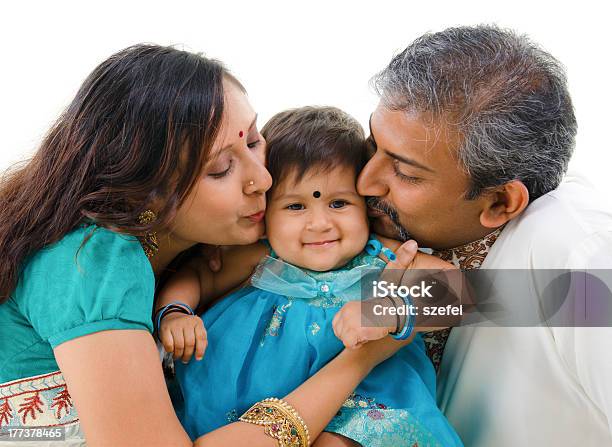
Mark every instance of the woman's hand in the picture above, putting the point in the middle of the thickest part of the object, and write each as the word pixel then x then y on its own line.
pixel 352 326
pixel 182 335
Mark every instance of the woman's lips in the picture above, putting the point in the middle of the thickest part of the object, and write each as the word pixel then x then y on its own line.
pixel 257 217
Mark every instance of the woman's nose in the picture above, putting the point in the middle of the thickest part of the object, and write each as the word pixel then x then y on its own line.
pixel 258 179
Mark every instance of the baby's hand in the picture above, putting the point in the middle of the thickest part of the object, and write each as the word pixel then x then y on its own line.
pixel 347 326
pixel 182 335
pixel 347 322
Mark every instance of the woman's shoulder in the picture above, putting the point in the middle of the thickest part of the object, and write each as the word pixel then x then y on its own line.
pixel 92 279
pixel 90 247
pixel 88 261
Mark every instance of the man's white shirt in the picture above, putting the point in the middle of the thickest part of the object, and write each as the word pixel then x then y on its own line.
pixel 537 385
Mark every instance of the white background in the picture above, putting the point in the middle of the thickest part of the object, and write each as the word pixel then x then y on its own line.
pixel 287 54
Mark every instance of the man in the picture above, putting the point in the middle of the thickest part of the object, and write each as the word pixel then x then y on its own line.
pixel 472 137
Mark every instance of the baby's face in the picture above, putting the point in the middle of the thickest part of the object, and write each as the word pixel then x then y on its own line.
pixel 318 223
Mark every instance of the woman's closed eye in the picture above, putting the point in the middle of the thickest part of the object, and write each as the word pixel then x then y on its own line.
pixel 256 139
pixel 253 144
pixel 223 172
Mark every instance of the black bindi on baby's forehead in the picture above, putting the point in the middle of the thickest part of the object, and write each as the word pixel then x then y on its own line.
pixel 316 194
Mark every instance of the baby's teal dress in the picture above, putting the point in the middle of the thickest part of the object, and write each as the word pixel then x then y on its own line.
pixel 266 339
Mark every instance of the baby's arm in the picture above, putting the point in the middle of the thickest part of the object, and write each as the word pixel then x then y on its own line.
pixel 180 333
pixel 183 286
pixel 196 285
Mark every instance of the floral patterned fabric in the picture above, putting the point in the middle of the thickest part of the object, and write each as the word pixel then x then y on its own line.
pixel 378 425
pixel 466 257
pixel 42 402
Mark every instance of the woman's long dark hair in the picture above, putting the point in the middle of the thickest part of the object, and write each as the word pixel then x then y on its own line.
pixel 138 132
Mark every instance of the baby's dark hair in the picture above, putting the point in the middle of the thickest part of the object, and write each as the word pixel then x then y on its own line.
pixel 307 138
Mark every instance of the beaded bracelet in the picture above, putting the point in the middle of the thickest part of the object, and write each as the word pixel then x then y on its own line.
pixel 280 421
pixel 175 306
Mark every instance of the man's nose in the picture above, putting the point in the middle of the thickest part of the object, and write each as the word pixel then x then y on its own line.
pixel 371 180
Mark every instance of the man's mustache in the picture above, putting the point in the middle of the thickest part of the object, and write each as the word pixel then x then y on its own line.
pixel 385 207
pixel 380 205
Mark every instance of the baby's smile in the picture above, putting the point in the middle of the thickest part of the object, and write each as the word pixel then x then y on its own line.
pixel 321 231
pixel 321 244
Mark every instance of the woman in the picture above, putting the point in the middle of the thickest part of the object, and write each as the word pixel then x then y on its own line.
pixel 160 147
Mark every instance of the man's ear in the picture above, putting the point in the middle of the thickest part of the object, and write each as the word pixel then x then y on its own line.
pixel 503 204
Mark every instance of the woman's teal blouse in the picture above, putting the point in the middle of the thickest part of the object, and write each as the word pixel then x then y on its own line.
pixel 64 293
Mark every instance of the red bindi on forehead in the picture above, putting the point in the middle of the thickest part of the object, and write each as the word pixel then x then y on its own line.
pixel 240 134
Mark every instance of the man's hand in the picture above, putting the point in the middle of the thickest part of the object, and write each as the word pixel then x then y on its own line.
pixel 182 335
pixel 347 323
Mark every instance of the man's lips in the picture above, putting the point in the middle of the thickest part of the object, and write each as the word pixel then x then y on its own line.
pixel 373 212
pixel 257 217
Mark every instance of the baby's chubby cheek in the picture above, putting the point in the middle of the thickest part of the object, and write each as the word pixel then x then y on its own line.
pixel 360 233
pixel 357 243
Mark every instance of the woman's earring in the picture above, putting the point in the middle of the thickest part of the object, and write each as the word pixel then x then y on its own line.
pixel 149 241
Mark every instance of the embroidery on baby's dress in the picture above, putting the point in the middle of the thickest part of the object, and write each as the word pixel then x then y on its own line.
pixel 314 328
pixel 368 422
pixel 231 416
pixel 359 401
pixel 276 322
pixel 327 301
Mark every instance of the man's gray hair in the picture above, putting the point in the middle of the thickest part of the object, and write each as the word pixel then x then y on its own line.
pixel 506 97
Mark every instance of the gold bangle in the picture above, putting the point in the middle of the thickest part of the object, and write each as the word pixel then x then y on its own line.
pixel 280 421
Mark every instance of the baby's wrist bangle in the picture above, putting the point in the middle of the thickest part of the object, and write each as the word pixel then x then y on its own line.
pixel 175 306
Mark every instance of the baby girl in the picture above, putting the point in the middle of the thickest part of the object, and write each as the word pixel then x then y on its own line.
pixel 267 337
